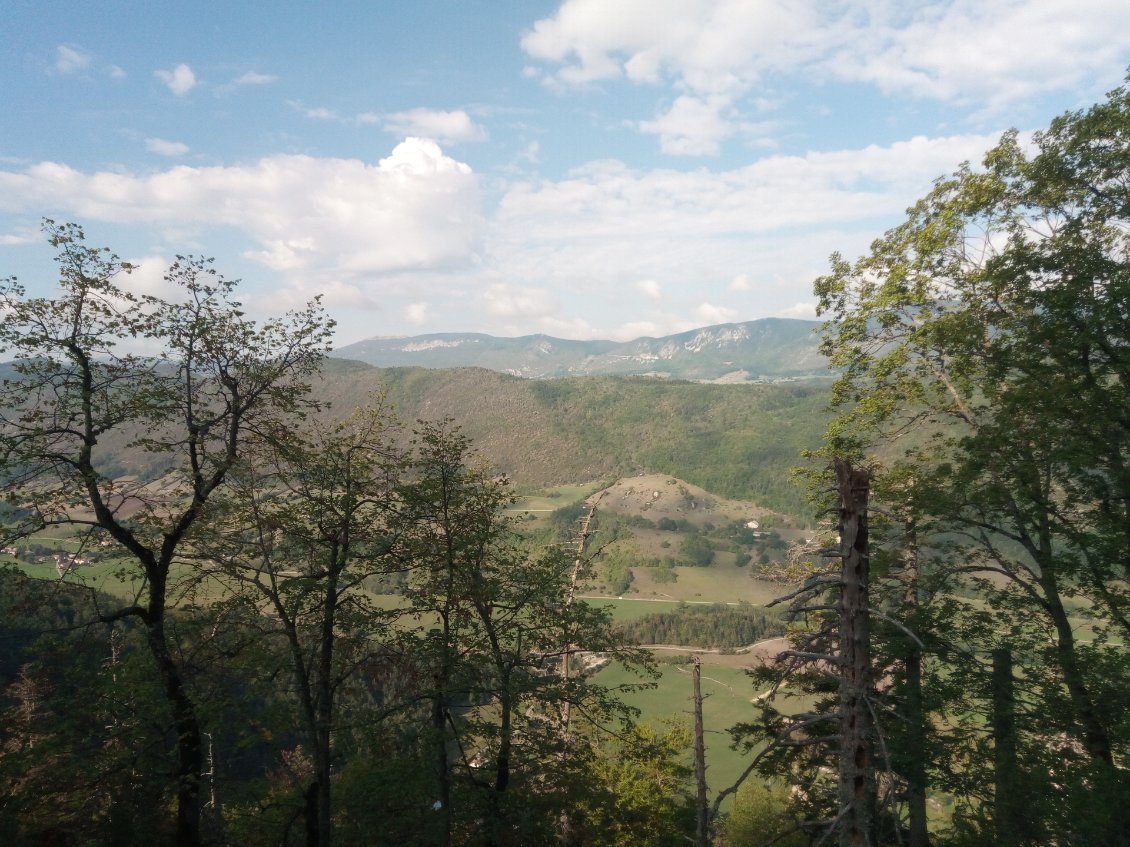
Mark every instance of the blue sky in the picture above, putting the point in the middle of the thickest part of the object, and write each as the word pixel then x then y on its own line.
pixel 586 169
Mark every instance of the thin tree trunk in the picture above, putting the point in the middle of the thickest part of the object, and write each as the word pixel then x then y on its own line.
pixel 919 835
pixel 324 706
pixel 916 781
pixel 702 817
pixel 1007 810
pixel 190 755
pixel 857 776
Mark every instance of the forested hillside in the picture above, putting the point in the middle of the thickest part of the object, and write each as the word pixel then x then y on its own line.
pixel 737 441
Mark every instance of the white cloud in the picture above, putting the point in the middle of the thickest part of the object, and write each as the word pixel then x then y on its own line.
pixel 21 236
pixel 651 288
pixel 782 215
pixel 320 220
pixel 693 126
pixel 316 113
pixel 607 201
pixel 444 127
pixel 148 277
pixel 165 148
pixel 638 329
pixel 418 313
pixel 710 313
pixel 708 46
pixel 805 311
pixel 969 51
pixel 531 153
pixel 503 300
pixel 115 72
pixel 575 327
pixel 69 59
pixel 719 51
pixel 252 78
pixel 180 80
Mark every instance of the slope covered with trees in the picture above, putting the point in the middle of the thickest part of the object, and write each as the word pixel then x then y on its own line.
pixel 737 441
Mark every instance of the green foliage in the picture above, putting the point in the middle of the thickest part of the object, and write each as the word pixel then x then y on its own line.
pixel 985 380
pixel 616 563
pixel 212 376
pixel 736 441
pixel 761 815
pixel 643 795
pixel 718 625
pixel 696 551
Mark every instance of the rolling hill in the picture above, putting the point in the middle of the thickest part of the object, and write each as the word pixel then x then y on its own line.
pixel 735 441
pixel 767 349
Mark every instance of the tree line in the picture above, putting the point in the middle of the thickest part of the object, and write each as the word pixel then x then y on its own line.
pixel 717 625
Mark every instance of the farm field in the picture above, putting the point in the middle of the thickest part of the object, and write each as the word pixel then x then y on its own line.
pixel 728 696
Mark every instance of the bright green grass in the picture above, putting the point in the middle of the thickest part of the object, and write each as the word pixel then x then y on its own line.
pixel 719 583
pixel 727 700
pixel 629 610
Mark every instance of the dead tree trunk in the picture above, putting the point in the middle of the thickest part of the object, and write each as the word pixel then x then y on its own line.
pixel 565 824
pixel 702 818
pixel 857 730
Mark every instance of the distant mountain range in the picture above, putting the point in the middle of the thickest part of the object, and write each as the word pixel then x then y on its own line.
pixel 770 349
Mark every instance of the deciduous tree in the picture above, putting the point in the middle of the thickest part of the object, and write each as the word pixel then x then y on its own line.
pixel 207 375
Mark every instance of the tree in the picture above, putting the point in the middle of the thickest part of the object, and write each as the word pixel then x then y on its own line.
pixel 302 528
pixel 495 620
pixel 640 790
pixel 75 394
pixel 985 348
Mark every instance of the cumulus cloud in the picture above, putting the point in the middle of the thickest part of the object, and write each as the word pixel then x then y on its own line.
pixel 315 218
pixel 69 59
pixel 148 277
pixel 967 51
pixel 605 201
pixel 162 147
pixel 709 46
pixel 651 288
pixel 180 80
pixel 444 127
pixel 782 215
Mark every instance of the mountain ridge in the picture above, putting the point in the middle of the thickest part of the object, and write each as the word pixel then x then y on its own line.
pixel 767 349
